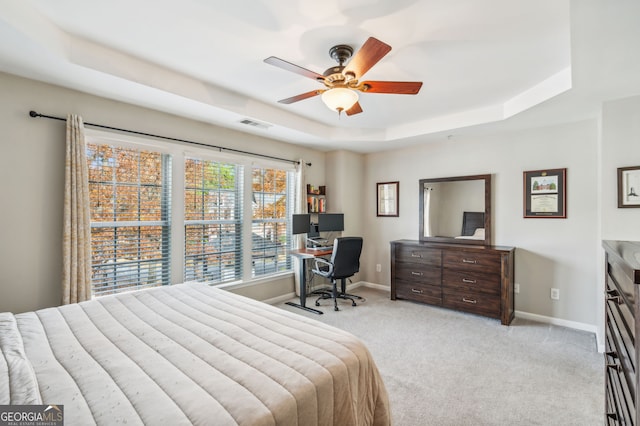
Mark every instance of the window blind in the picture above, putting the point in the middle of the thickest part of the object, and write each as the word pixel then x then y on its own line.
pixel 271 217
pixel 129 191
pixel 213 221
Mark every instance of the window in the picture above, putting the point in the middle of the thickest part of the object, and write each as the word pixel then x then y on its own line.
pixel 129 191
pixel 144 237
pixel 213 221
pixel 270 230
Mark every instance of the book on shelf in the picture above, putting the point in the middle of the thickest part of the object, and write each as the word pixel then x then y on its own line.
pixel 316 205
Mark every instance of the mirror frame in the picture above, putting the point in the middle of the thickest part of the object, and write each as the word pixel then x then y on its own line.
pixel 487 210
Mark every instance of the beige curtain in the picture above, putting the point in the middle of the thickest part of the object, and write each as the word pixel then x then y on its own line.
pixel 76 240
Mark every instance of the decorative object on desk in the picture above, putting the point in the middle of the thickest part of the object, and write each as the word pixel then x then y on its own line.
pixel 629 187
pixel 388 198
pixel 545 194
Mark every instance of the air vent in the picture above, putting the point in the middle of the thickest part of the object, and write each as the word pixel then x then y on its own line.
pixel 253 123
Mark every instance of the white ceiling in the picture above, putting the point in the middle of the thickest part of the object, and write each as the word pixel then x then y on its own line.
pixel 480 61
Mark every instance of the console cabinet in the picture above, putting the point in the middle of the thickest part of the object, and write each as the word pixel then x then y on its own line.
pixel 470 278
pixel 622 309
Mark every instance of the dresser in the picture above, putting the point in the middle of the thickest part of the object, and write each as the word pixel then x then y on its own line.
pixel 622 314
pixel 471 278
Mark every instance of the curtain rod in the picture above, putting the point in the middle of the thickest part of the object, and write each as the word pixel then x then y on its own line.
pixel 36 115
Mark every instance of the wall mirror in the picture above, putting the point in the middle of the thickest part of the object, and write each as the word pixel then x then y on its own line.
pixel 456 209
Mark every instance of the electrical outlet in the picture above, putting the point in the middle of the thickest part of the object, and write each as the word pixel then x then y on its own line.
pixel 516 288
pixel 378 267
pixel 555 294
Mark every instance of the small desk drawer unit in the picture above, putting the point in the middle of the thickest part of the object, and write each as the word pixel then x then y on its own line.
pixel 474 279
pixel 621 327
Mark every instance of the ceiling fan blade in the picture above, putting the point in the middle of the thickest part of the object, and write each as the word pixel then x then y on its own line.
pixel 369 54
pixel 394 87
pixel 281 63
pixel 301 97
pixel 355 109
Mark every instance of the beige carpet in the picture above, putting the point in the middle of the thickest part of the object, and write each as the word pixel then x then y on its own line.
pixel 443 367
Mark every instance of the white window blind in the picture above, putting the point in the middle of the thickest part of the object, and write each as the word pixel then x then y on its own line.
pixel 213 221
pixel 130 218
pixel 271 217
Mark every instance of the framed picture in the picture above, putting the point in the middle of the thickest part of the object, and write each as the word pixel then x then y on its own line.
pixel 387 198
pixel 545 193
pixel 629 187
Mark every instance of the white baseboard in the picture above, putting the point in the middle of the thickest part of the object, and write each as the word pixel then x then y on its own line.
pixel 371 285
pixel 280 299
pixel 564 323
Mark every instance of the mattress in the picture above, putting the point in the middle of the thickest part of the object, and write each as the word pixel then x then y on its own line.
pixel 188 354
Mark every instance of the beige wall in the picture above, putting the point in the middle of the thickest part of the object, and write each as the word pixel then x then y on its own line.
pixel 31 180
pixel 559 253
pixel 620 148
pixel 346 190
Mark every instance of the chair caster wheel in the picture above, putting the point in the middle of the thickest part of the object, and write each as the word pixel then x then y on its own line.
pixel 336 309
pixel 317 304
pixel 354 304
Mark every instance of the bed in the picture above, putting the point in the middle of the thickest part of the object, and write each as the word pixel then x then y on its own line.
pixel 188 354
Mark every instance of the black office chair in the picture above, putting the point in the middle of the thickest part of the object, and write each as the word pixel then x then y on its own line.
pixel 344 263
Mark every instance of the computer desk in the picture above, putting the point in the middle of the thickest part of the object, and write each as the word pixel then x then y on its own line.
pixel 303 255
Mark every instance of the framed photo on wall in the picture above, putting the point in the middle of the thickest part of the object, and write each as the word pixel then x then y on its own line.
pixel 387 199
pixel 629 187
pixel 545 193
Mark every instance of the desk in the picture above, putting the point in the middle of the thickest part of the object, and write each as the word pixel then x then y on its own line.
pixel 303 255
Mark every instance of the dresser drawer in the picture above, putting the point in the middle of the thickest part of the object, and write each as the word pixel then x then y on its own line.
pixel 473 281
pixel 418 272
pixel 472 261
pixel 431 294
pixel 619 400
pixel 622 281
pixel 417 254
pixel 620 342
pixel 470 301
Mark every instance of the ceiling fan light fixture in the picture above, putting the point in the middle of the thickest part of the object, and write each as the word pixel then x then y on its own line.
pixel 339 98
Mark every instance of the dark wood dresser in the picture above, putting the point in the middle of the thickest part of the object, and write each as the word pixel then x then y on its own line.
pixel 622 314
pixel 470 278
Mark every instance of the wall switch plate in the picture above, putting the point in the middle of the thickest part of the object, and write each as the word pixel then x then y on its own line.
pixel 378 267
pixel 555 293
pixel 516 288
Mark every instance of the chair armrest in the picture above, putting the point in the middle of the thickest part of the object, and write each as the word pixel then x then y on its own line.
pixel 322 267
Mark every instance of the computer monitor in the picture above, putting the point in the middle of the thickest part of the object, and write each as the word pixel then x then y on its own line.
pixel 330 222
pixel 300 223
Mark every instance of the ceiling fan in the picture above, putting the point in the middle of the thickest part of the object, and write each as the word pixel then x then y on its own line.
pixel 342 82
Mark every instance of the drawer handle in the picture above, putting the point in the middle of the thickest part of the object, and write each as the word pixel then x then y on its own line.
pixel 614 366
pixel 616 299
pixel 612 354
pixel 416 254
pixel 468 281
pixel 614 296
pixel 464 299
pixel 413 290
pixel 416 273
pixel 469 261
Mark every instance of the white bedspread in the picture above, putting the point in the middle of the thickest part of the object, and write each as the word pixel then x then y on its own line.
pixel 188 354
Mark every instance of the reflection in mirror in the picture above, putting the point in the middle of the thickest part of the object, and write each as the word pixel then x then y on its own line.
pixel 456 209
